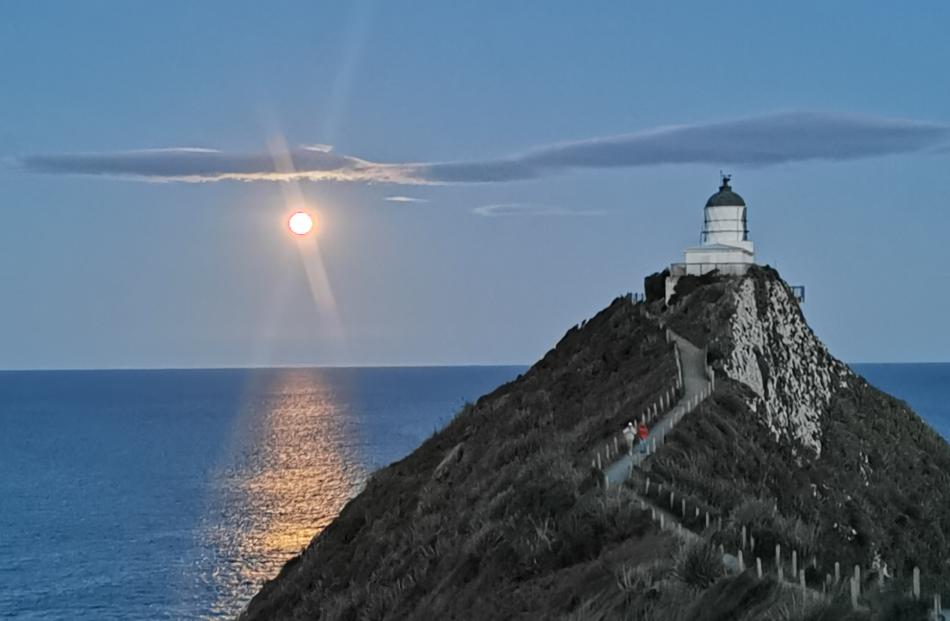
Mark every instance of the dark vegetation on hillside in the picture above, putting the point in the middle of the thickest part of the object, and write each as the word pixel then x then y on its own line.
pixel 881 486
pixel 495 513
pixel 864 496
pixel 500 515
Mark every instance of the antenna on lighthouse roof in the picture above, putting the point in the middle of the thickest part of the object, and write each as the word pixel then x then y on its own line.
pixel 725 180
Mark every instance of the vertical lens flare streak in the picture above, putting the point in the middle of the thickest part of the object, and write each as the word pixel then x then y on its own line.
pixel 331 331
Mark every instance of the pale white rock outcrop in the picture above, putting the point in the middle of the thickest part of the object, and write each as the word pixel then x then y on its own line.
pixel 781 360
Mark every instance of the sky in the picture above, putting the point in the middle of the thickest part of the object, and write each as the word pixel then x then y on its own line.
pixel 484 175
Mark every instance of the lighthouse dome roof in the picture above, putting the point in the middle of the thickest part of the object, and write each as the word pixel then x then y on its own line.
pixel 725 197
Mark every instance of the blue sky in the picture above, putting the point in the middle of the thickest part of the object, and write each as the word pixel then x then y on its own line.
pixel 832 117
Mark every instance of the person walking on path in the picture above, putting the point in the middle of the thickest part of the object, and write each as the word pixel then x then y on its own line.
pixel 643 433
pixel 630 435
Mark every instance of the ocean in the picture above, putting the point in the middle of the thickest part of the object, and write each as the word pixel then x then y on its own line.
pixel 175 494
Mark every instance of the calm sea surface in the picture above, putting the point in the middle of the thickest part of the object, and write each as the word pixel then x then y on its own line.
pixel 174 494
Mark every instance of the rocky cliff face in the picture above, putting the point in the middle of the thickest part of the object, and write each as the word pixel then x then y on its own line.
pixel 499 515
pixel 758 337
pixel 851 457
pixel 778 357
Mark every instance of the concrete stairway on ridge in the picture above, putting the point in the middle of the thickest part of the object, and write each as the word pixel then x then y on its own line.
pixel 696 387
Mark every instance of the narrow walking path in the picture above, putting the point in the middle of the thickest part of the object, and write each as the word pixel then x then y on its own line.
pixel 696 387
pixel 698 383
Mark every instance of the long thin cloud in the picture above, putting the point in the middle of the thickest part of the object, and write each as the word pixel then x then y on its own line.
pixel 502 210
pixel 759 141
pixel 405 199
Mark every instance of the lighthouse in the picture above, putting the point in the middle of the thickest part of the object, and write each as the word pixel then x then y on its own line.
pixel 724 242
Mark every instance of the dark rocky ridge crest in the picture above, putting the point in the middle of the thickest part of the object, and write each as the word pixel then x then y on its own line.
pixel 500 515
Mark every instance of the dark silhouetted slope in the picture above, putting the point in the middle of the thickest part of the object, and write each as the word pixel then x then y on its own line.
pixel 500 514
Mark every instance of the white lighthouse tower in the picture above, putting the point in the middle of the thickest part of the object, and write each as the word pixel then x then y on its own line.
pixel 724 244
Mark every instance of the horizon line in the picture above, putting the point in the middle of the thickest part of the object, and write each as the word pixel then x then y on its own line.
pixel 350 366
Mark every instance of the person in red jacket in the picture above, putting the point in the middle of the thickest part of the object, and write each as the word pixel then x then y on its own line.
pixel 643 433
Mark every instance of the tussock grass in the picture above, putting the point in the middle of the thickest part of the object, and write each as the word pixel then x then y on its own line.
pixel 698 565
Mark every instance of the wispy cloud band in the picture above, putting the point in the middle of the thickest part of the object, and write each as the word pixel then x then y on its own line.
pixel 405 199
pixel 761 140
pixel 499 210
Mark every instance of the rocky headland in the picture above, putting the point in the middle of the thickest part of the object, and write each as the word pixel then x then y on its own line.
pixel 508 511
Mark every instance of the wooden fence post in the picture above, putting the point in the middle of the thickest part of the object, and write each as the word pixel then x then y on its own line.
pixel 837 572
pixel 707 519
pixel 854 593
pixel 778 560
pixel 743 536
pixel 751 543
pixel 672 496
pixel 916 583
pixel 741 562
pixel 758 567
pixel 794 563
pixel 856 582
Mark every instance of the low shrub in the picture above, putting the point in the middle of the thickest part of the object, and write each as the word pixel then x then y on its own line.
pixel 698 565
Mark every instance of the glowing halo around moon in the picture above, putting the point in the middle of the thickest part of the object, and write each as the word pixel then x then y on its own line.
pixel 300 223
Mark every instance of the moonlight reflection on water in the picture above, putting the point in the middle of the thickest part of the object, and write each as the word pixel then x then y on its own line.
pixel 296 466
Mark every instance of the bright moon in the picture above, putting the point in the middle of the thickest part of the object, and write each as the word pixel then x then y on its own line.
pixel 300 223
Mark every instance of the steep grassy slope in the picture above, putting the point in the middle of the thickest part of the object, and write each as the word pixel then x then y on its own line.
pixel 500 514
pixel 496 512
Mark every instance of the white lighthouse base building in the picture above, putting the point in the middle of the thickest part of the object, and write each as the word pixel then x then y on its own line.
pixel 724 244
